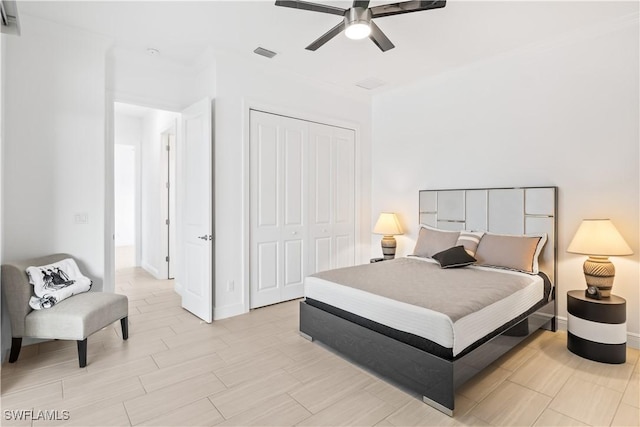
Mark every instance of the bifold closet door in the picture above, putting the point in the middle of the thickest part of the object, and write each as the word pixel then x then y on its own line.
pixel 331 197
pixel 279 208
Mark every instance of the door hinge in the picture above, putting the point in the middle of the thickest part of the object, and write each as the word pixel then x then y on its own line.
pixel 167 185
pixel 166 221
pixel 168 148
pixel 167 258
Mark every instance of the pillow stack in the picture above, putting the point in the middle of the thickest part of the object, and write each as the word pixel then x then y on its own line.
pixel 454 249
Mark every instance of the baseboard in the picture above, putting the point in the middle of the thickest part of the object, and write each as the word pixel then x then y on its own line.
pixel 633 339
pixel 228 311
pixel 151 270
pixel 561 323
pixel 178 288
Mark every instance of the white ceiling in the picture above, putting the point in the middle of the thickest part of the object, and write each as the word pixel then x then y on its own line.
pixel 427 42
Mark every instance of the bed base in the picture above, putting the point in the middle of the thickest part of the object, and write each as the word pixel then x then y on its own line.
pixel 434 378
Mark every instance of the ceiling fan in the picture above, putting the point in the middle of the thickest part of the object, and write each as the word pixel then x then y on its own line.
pixel 357 22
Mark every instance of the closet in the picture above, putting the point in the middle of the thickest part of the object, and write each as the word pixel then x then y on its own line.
pixel 302 203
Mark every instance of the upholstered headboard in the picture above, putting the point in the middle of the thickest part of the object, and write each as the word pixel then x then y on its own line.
pixel 523 210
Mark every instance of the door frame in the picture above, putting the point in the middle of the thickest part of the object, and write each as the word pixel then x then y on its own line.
pixel 249 104
pixel 168 165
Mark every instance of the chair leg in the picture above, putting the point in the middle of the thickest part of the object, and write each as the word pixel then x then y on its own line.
pixel 16 345
pixel 124 323
pixel 82 352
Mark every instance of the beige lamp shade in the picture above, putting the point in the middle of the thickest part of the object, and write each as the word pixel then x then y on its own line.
pixel 598 237
pixel 387 225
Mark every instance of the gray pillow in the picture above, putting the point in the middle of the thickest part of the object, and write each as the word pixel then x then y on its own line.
pixel 519 253
pixel 431 241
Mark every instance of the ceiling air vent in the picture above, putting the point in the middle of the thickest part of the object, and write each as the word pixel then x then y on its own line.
pixel 370 83
pixel 265 52
pixel 9 23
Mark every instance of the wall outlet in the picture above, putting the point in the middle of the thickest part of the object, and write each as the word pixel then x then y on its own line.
pixel 81 218
pixel 230 286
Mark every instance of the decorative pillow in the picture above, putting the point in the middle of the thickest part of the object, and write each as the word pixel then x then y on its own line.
pixel 519 253
pixel 54 282
pixel 454 257
pixel 431 241
pixel 470 240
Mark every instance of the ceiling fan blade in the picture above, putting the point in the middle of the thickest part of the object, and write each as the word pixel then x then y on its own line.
pixel 314 7
pixel 405 7
pixel 361 3
pixel 378 37
pixel 327 36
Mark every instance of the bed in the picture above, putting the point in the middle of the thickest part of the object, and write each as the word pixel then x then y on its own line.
pixel 430 329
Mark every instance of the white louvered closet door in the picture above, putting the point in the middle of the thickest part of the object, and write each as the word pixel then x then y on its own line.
pixel 278 258
pixel 331 198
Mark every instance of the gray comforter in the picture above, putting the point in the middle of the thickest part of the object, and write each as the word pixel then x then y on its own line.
pixel 454 292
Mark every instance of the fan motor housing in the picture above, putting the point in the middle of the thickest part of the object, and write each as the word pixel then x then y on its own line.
pixel 358 15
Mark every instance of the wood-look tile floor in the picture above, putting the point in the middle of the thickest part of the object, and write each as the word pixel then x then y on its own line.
pixel 255 369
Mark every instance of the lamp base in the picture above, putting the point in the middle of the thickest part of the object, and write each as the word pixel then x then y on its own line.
pixel 388 244
pixel 599 272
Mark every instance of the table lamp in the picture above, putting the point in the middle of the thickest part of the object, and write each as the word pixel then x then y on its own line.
pixel 599 239
pixel 388 226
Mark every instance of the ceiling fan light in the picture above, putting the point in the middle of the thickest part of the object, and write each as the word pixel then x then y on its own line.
pixel 358 30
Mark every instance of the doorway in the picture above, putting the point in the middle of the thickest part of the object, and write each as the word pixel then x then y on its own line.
pixel 144 194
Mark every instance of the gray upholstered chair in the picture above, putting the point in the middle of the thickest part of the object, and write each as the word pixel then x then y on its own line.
pixel 74 318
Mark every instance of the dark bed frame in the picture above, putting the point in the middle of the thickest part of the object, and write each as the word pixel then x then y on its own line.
pixel 436 379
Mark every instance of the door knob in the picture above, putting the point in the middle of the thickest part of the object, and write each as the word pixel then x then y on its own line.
pixel 293 233
pixel 205 237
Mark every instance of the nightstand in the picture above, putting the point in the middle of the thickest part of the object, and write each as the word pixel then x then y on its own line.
pixel 597 329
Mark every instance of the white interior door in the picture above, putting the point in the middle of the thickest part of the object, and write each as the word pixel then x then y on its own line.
pixel 331 197
pixel 343 144
pixel 278 252
pixel 194 211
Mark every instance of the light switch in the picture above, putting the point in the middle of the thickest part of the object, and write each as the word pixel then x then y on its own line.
pixel 81 218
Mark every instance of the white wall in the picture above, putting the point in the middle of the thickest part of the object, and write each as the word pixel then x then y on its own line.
pixel 241 84
pixel 151 81
pixel 564 115
pixel 127 130
pixel 127 168
pixel 125 195
pixel 54 142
